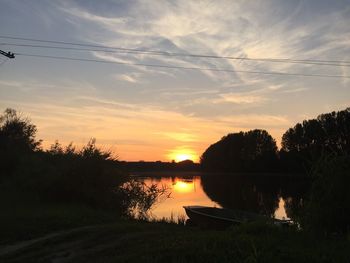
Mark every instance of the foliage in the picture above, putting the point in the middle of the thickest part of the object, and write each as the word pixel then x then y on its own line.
pixel 308 141
pixel 17 137
pixel 17 132
pixel 91 152
pixel 138 198
pixel 250 151
pixel 327 209
pixel 65 175
pixel 88 176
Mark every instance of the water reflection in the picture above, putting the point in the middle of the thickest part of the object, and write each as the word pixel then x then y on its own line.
pixel 239 192
pixel 280 197
pixel 184 185
pixel 185 190
pixel 280 212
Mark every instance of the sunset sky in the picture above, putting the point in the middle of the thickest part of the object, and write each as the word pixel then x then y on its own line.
pixel 152 113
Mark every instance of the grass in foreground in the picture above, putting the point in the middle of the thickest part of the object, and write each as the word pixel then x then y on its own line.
pixel 23 217
pixel 25 223
pixel 133 241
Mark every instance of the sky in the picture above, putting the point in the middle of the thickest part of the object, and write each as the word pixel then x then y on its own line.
pixel 151 113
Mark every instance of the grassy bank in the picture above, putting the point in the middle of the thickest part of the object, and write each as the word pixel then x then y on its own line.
pixel 33 232
pixel 25 217
pixel 60 235
pixel 133 241
pixel 24 223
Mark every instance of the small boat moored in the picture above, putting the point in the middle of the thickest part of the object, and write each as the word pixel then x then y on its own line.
pixel 213 217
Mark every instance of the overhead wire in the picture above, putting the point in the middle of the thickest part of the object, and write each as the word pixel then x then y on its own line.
pixel 145 52
pixel 166 53
pixel 181 67
pixel 107 49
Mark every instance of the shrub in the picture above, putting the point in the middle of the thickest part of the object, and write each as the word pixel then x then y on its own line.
pixel 137 198
pixel 327 209
pixel 17 138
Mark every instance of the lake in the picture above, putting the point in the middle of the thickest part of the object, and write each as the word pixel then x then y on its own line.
pixel 275 196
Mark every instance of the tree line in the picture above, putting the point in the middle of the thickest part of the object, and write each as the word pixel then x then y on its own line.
pixel 319 148
pixel 301 146
pixel 66 175
pixel 91 176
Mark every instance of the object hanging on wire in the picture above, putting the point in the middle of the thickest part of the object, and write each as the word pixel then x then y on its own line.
pixel 7 54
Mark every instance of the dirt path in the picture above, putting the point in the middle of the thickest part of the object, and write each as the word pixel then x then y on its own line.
pixel 4 250
pixel 83 244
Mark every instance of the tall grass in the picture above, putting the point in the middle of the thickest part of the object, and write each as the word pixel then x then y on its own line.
pixel 172 219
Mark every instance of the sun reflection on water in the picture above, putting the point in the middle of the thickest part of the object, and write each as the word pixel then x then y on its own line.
pixel 189 191
pixel 183 186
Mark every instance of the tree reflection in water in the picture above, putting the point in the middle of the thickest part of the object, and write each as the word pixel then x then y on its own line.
pixel 256 193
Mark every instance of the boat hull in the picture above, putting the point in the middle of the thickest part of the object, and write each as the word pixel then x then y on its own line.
pixel 201 216
pixel 212 217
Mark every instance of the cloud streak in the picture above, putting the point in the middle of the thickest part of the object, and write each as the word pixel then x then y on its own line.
pixel 161 109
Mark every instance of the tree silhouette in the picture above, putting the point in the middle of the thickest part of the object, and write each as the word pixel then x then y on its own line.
pixel 17 132
pixel 310 140
pixel 17 138
pixel 251 151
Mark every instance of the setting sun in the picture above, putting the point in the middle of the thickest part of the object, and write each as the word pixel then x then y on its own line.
pixel 182 156
pixel 179 155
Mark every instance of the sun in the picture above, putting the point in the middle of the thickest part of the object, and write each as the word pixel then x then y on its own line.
pixel 179 155
pixel 182 157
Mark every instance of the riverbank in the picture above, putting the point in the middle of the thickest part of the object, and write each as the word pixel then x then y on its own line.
pixel 39 232
pixel 136 241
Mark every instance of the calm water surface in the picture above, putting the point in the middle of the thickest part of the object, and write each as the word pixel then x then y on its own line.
pixel 266 196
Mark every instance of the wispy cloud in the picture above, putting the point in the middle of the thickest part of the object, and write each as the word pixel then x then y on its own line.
pixel 223 28
pixel 129 104
pixel 180 136
pixel 240 99
pixel 132 78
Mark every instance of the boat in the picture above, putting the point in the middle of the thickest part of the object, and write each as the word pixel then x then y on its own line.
pixel 213 217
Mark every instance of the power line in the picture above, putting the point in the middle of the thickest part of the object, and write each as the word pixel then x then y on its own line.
pixel 7 54
pixel 165 53
pixel 181 67
pixel 148 53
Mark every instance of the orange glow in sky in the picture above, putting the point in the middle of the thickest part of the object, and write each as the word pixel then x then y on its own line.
pixel 163 107
pixel 181 154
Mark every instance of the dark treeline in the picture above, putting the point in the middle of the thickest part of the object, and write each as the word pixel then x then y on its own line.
pixel 318 148
pixel 309 141
pixel 59 174
pixel 92 177
pixel 142 166
pixel 64 175
pixel 250 151
pixel 302 146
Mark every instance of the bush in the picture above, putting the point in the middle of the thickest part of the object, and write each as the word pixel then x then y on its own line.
pixel 63 175
pixel 17 138
pixel 137 198
pixel 327 209
pixel 89 176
